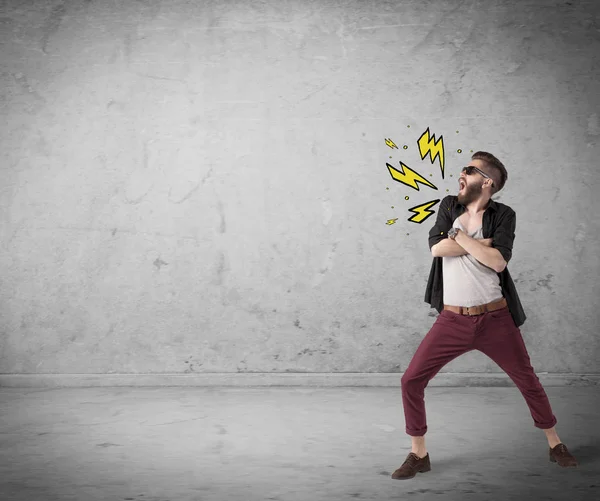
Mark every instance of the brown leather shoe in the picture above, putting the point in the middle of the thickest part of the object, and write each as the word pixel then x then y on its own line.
pixel 411 466
pixel 562 456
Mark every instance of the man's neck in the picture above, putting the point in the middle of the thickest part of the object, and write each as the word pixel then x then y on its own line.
pixel 478 206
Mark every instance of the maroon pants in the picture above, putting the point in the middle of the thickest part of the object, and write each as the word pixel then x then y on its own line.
pixel 493 333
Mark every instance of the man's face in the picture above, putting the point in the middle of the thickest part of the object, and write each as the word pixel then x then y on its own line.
pixel 470 187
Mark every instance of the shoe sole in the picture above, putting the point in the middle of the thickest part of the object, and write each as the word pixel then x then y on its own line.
pixel 552 460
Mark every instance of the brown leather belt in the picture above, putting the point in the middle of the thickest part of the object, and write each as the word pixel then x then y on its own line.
pixel 477 310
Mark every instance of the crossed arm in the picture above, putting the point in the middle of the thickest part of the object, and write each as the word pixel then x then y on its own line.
pixel 480 249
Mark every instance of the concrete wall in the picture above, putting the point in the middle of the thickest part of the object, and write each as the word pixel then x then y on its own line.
pixel 198 187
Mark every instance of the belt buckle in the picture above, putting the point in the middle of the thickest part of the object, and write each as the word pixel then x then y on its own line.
pixel 468 312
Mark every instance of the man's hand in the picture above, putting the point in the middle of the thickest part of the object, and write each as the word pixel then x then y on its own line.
pixel 484 253
pixel 484 241
pixel 450 248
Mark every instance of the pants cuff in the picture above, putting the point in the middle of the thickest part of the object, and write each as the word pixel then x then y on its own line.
pixel 416 433
pixel 545 426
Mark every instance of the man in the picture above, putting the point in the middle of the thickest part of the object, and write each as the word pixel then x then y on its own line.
pixel 470 286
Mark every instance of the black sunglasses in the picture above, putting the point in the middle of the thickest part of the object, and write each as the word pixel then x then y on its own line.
pixel 468 170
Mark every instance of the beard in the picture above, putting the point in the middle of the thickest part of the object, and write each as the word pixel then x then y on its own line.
pixel 472 192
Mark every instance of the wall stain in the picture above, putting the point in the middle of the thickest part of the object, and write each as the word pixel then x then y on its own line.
pixel 424 491
pixel 309 352
pixel 318 278
pixel 190 193
pixel 535 284
pixel 159 77
pixel 111 329
pixel 115 104
pixel 242 369
pixel 544 282
pixel 52 24
pixel 330 256
pixel 333 343
pixel 191 366
pixel 579 240
pixel 223 225
pixel 593 128
pixel 138 200
pixel 24 84
pixel 220 268
pixel 158 262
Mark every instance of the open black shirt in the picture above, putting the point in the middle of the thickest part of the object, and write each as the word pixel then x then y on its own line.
pixel 499 222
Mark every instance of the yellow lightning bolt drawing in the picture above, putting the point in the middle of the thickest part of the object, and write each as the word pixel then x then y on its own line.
pixel 428 144
pixel 408 177
pixel 391 221
pixel 422 212
pixel 391 144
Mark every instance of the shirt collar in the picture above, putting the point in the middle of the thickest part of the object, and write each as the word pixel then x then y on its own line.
pixel 493 205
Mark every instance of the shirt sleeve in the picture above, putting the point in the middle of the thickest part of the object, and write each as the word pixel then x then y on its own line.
pixel 504 236
pixel 443 223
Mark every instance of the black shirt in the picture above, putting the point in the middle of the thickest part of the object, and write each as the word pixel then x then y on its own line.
pixel 499 222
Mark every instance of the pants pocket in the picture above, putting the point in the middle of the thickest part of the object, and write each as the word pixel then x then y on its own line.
pixel 448 315
pixel 504 317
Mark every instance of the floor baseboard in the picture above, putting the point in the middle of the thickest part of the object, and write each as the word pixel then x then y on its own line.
pixel 250 379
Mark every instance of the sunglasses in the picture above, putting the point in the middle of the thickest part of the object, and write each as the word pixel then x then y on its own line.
pixel 469 169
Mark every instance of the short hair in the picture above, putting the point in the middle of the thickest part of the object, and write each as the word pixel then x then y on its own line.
pixel 498 174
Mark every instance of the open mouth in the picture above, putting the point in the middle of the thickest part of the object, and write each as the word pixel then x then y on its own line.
pixel 461 185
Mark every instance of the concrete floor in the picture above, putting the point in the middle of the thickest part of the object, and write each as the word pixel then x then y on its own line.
pixel 308 444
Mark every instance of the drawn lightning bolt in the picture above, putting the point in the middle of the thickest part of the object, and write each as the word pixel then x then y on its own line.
pixel 422 212
pixel 408 176
pixel 435 148
pixel 390 143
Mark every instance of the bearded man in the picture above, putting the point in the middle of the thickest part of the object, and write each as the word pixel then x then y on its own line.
pixel 479 309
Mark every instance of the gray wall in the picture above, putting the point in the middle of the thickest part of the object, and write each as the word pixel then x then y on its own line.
pixel 202 186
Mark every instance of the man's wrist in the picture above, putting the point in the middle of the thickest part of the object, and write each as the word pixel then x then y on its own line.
pixel 460 235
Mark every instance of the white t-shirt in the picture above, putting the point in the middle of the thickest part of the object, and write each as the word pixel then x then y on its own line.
pixel 467 282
